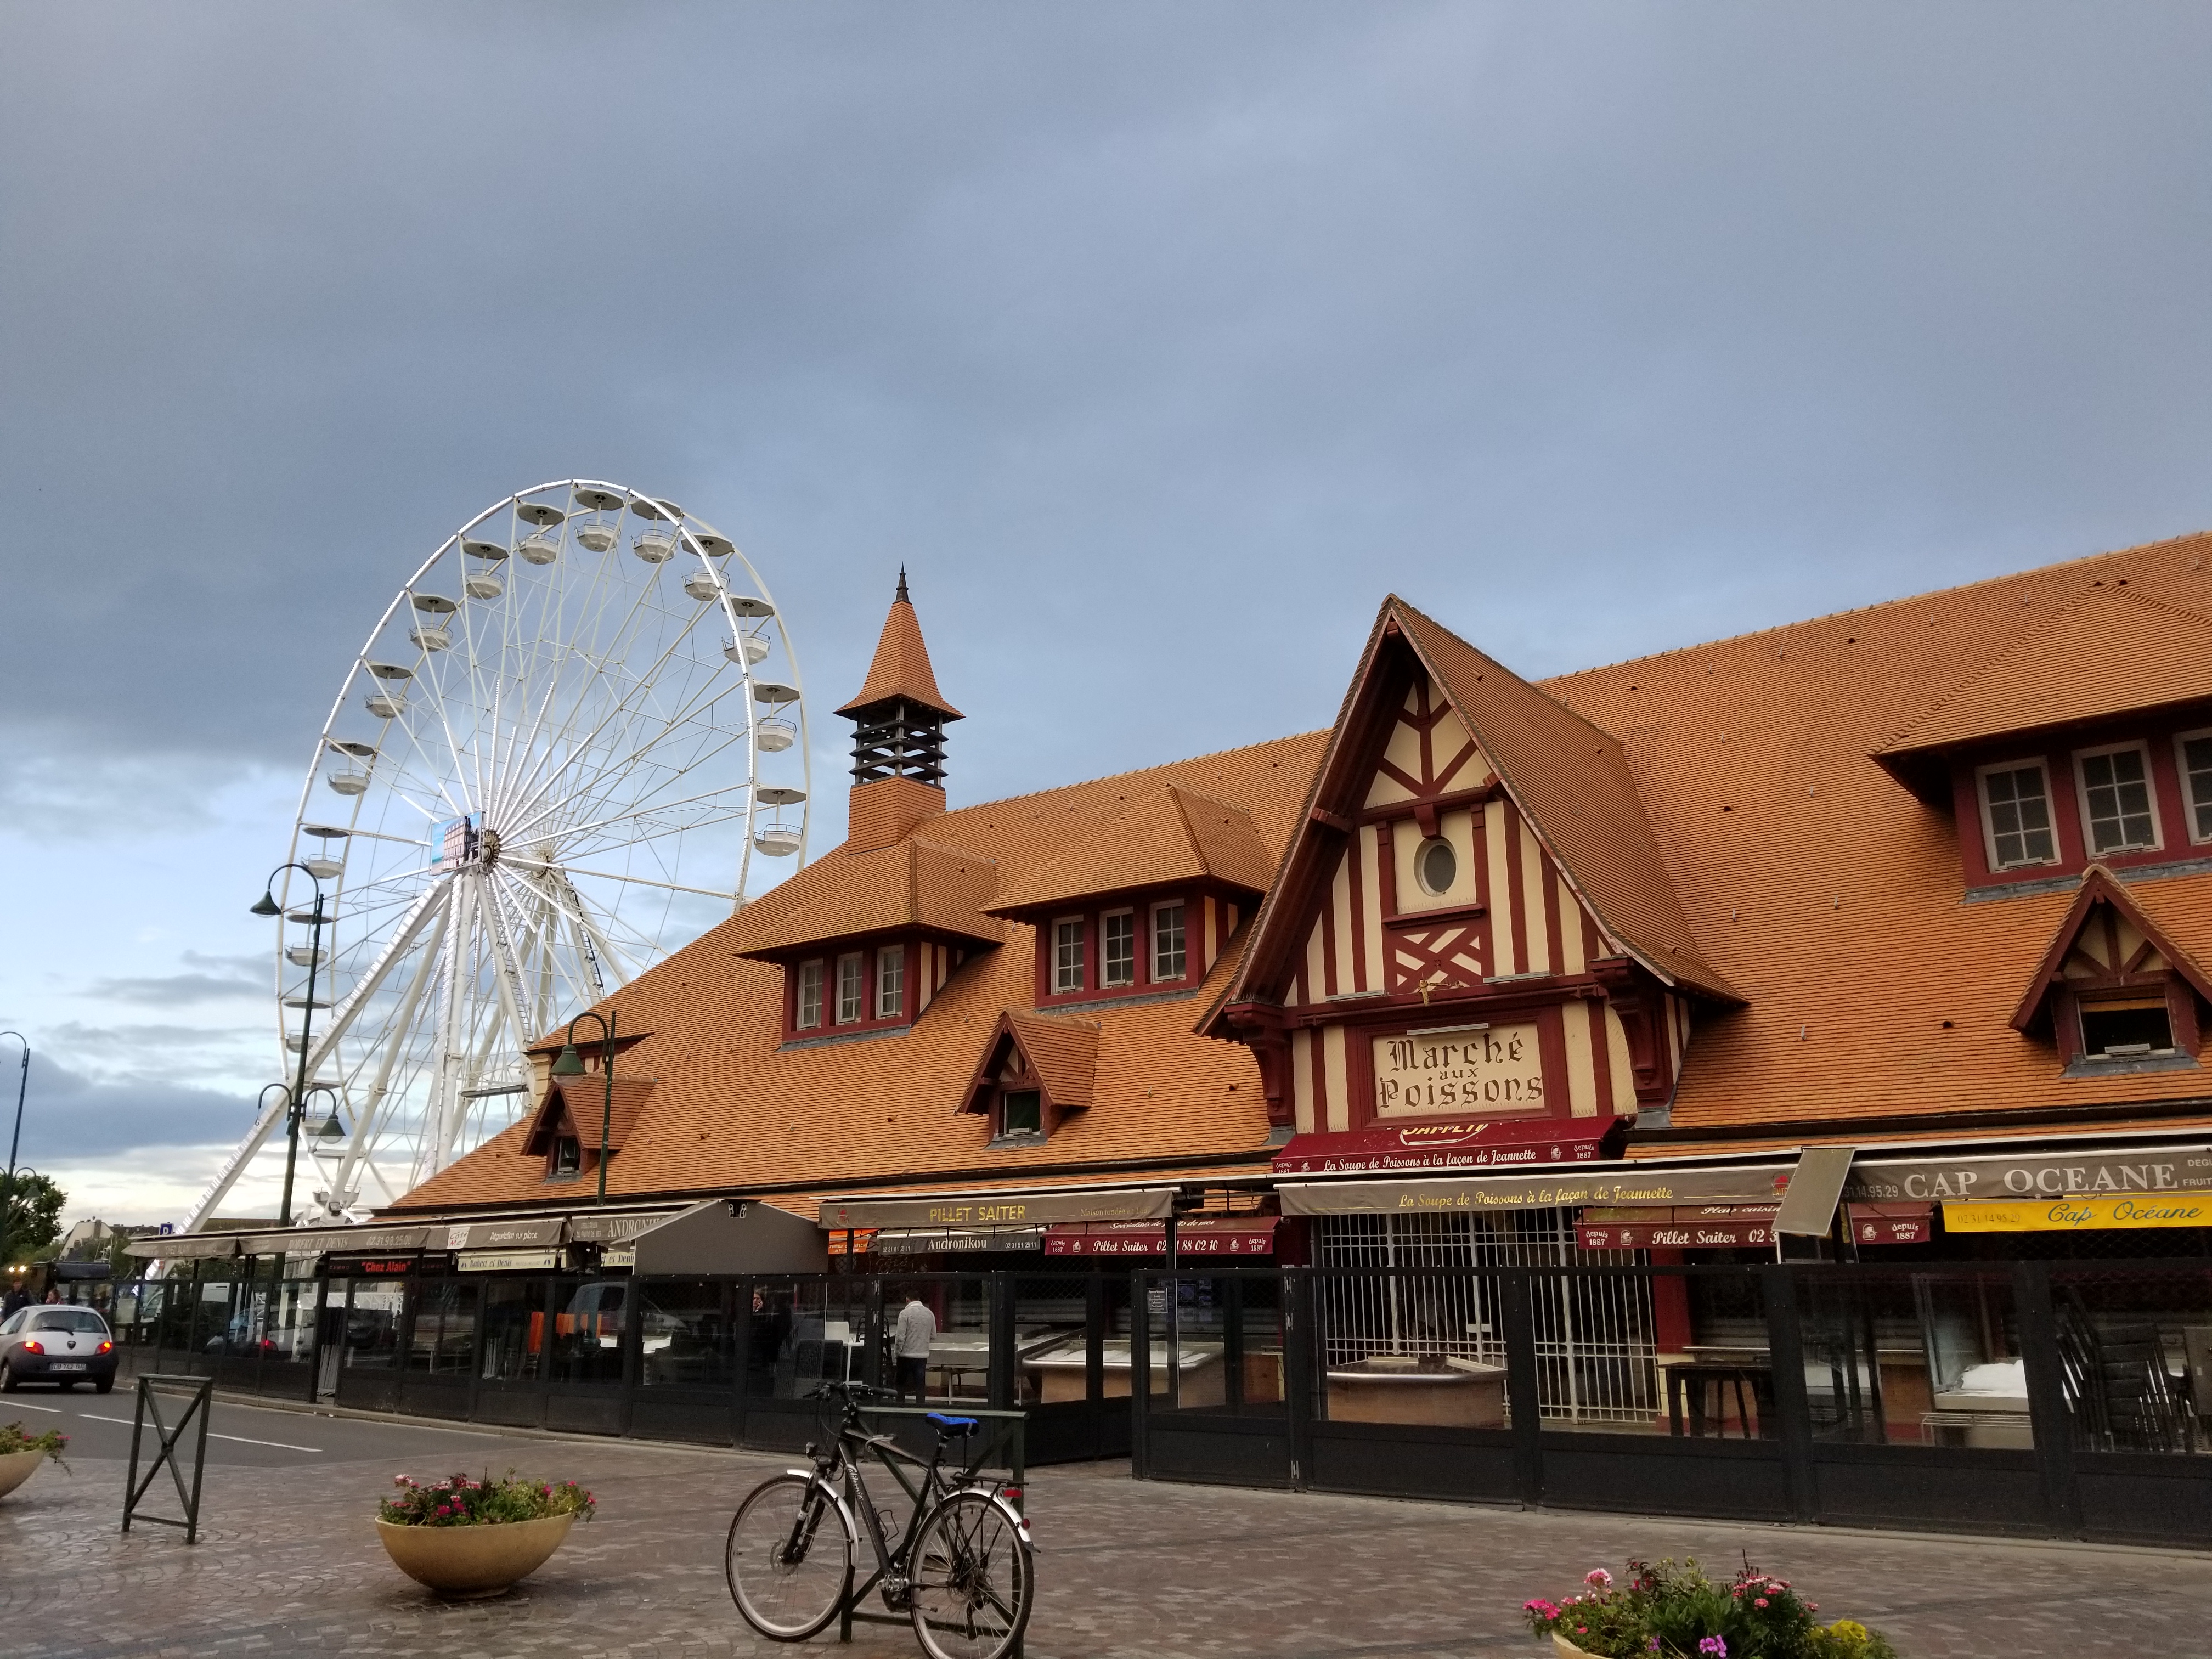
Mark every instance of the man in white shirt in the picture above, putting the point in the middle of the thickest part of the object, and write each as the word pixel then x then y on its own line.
pixel 911 1336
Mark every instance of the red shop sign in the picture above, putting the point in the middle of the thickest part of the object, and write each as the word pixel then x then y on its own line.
pixel 1663 1232
pixel 1230 1235
pixel 1892 1224
pixel 1458 1143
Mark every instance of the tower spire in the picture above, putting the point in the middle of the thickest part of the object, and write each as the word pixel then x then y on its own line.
pixel 899 719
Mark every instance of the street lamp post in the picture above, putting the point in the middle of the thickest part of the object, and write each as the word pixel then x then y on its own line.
pixel 570 1065
pixel 296 1099
pixel 7 1192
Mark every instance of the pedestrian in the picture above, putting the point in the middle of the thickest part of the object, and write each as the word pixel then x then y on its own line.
pixel 911 1342
pixel 53 1296
pixel 18 1300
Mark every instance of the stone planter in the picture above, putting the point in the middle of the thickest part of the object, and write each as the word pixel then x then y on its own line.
pixel 16 1468
pixel 465 1563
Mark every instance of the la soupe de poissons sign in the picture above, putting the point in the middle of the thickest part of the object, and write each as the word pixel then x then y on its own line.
pixel 1490 1069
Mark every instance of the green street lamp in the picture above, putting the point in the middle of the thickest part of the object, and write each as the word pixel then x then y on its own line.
pixel 571 1064
pixel 296 1095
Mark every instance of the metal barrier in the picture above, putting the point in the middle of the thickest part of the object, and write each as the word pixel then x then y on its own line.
pixel 149 1406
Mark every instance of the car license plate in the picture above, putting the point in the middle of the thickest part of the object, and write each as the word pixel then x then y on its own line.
pixel 67 1366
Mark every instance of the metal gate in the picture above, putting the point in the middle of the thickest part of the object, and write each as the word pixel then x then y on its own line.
pixel 1595 1356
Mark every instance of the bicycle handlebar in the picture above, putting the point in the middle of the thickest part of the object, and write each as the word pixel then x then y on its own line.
pixel 853 1393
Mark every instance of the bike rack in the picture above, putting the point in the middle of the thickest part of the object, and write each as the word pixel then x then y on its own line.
pixel 1001 1429
pixel 134 1489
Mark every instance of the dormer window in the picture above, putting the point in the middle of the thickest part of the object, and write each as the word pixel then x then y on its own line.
pixel 808 1016
pixel 1117 948
pixel 1168 954
pixel 2016 816
pixel 567 1156
pixel 2195 752
pixel 2140 1028
pixel 891 982
pixel 852 987
pixel 1021 1112
pixel 2116 798
pixel 1067 955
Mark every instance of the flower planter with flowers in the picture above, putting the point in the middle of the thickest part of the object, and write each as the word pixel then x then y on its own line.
pixel 1667 1611
pixel 466 1539
pixel 21 1453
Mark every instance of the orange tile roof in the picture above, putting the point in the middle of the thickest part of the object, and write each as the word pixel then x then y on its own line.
pixel 1828 894
pixel 901 666
pixel 1802 878
pixel 915 883
pixel 1571 781
pixel 1173 833
pixel 1062 1053
pixel 734 1110
pixel 2112 650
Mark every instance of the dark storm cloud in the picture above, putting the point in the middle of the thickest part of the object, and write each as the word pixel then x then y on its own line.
pixel 1158 340
pixel 69 1117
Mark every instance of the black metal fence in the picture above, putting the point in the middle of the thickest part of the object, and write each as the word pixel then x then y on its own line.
pixel 2044 1399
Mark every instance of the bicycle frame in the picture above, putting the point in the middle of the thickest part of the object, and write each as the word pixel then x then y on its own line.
pixel 837 1473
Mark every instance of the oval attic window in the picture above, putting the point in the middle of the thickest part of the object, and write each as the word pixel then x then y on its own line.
pixel 1436 865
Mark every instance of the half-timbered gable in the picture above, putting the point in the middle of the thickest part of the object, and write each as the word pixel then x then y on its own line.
pixel 1433 967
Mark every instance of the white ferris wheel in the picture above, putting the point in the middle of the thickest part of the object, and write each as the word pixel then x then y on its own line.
pixel 554 761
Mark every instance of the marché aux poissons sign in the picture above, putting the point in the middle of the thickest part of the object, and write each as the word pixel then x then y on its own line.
pixel 1494 1070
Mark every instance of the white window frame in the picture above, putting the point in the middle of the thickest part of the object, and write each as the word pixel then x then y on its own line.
pixel 2181 740
pixel 891 982
pixel 859 962
pixel 1183 942
pixel 1106 982
pixel 1989 827
pixel 812 976
pixel 1063 983
pixel 2089 849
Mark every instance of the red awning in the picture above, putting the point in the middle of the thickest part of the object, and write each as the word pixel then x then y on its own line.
pixel 1467 1143
pixel 1230 1235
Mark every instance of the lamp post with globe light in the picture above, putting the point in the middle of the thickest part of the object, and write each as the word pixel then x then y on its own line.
pixel 7 1192
pixel 296 1095
pixel 570 1064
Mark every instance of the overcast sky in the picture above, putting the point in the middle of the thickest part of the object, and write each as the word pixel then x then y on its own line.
pixel 1157 342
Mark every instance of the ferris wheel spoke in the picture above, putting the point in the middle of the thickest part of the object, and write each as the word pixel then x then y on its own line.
pixel 622 706
pixel 369 1112
pixel 657 752
pixel 514 808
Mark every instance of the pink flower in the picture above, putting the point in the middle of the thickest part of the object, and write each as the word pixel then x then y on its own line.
pixel 1599 1577
pixel 1758 1601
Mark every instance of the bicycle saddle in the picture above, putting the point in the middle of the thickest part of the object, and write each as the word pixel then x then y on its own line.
pixel 956 1427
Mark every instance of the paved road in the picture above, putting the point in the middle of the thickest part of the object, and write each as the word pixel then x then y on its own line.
pixel 243 1437
pixel 288 1563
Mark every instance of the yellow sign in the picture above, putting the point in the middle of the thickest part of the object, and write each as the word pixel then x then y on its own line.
pixel 2081 1214
pixel 1494 1070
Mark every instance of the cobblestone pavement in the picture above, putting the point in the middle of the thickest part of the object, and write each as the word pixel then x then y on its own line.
pixel 288 1563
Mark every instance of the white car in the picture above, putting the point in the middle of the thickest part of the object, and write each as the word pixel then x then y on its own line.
pixel 61 1345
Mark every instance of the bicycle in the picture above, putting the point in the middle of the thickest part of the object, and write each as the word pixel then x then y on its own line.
pixel 962 1568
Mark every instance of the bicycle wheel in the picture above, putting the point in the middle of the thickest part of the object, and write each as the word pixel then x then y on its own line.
pixel 789 1558
pixel 974 1579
